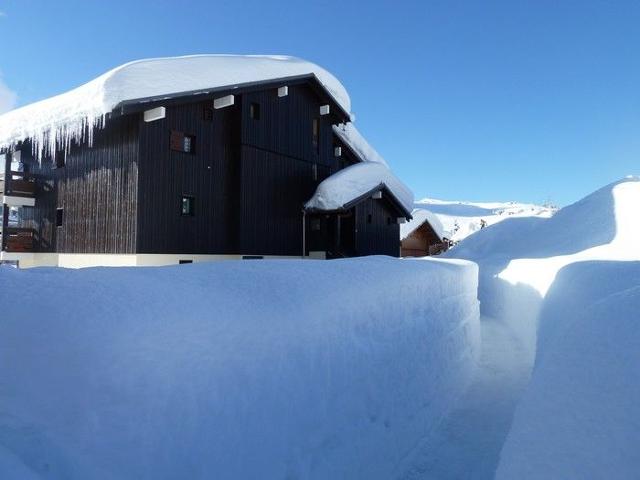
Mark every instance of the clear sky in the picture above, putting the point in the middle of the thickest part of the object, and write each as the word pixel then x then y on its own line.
pixel 477 100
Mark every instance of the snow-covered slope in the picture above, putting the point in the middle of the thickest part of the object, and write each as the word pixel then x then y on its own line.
pixel 461 219
pixel 231 370
pixel 567 288
pixel 65 116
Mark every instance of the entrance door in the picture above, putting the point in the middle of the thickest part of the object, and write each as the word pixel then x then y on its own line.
pixel 348 234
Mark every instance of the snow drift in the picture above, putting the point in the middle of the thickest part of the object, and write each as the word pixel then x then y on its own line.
pixel 568 286
pixel 352 182
pixel 67 116
pixel 580 416
pixel 269 369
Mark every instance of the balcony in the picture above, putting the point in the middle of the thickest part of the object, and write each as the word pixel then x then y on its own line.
pixel 16 240
pixel 18 189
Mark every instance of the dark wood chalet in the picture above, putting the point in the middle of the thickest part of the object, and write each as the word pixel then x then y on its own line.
pixel 195 176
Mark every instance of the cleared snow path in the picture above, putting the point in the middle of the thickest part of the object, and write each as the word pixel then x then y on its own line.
pixel 468 442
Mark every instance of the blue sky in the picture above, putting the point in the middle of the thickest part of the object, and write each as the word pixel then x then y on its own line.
pixel 496 100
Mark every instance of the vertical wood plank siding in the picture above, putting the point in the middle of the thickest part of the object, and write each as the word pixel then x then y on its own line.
pixel 209 175
pixel 97 188
pixel 378 237
pixel 277 172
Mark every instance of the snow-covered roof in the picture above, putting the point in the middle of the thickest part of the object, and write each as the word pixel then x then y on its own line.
pixel 420 216
pixel 350 135
pixel 351 183
pixel 66 116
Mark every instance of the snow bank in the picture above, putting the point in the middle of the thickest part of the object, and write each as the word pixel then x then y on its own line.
pixel 67 116
pixel 420 215
pixel 350 135
pixel 265 369
pixel 580 416
pixel 568 285
pixel 348 184
pixel 520 258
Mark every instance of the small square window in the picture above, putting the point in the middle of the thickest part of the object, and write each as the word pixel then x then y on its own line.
pixel 184 262
pixel 187 144
pixel 186 205
pixel 315 224
pixel 388 220
pixel 207 114
pixel 60 159
pixel 316 135
pixel 369 218
pixel 59 217
pixel 254 111
pixel 179 142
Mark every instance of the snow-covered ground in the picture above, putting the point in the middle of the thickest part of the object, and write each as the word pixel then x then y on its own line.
pixel 461 219
pixel 254 369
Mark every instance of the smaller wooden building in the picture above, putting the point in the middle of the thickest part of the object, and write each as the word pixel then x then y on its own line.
pixel 424 235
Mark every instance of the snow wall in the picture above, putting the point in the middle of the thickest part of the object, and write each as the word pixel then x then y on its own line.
pixel 580 415
pixel 254 369
pixel 569 288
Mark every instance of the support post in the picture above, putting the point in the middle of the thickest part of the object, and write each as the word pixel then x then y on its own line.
pixel 304 233
pixel 5 207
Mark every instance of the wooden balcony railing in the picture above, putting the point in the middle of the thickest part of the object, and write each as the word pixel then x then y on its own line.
pixel 22 186
pixel 18 239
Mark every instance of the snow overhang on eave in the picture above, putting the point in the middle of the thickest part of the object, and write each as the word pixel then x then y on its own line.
pixel 387 193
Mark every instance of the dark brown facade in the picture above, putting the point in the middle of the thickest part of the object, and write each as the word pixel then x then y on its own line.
pixel 244 171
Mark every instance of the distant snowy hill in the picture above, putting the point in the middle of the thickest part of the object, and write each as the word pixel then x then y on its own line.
pixel 461 219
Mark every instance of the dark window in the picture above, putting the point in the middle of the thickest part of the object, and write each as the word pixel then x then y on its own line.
pixel 254 111
pixel 315 224
pixel 388 220
pixel 60 158
pixel 187 205
pixel 252 257
pixel 59 216
pixel 207 114
pixel 316 135
pixel 369 218
pixel 184 262
pixel 181 142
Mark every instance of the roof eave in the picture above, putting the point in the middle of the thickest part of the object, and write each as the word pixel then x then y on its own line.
pixel 144 103
pixel 380 187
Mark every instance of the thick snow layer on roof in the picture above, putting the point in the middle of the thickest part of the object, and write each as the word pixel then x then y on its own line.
pixel 348 184
pixel 66 116
pixel 350 135
pixel 420 215
pixel 231 370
